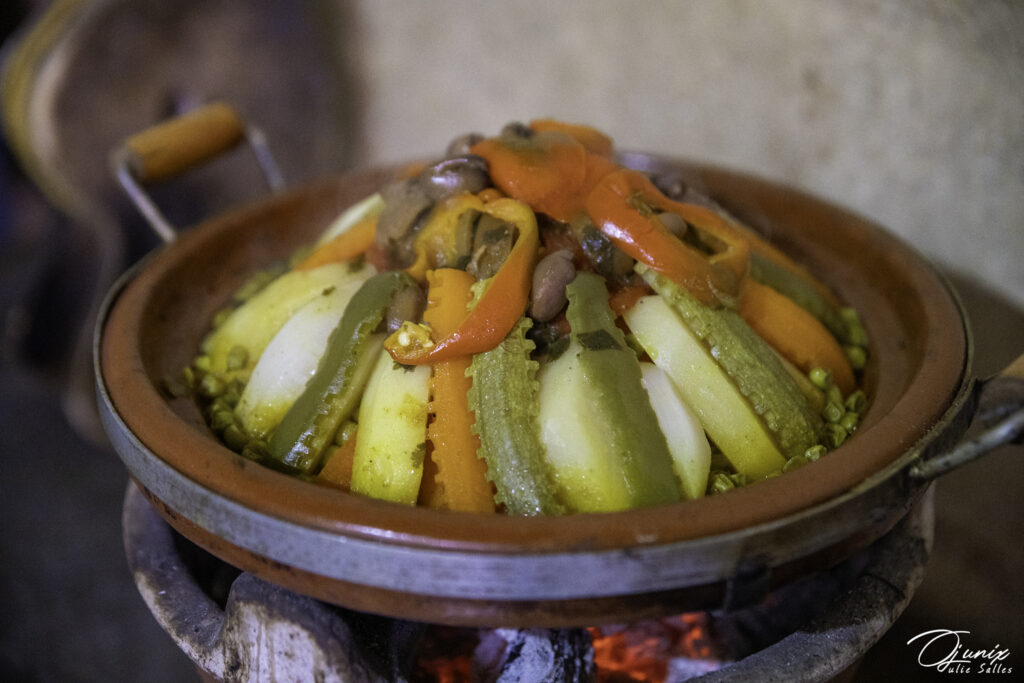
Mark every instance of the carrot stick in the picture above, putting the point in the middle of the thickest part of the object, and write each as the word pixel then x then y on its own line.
pixel 461 475
pixel 794 333
pixel 338 470
pixel 623 299
pixel 345 246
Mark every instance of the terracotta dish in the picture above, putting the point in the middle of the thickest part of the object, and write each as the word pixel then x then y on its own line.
pixel 496 570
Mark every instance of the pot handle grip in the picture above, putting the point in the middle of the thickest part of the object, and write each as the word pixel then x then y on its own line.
pixel 1000 410
pixel 173 147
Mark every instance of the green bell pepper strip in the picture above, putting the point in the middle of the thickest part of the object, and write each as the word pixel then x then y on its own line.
pixel 333 392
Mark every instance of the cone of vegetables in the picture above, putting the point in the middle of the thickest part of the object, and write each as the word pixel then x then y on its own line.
pixel 528 327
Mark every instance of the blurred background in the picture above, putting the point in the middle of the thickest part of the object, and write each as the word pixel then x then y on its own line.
pixel 909 113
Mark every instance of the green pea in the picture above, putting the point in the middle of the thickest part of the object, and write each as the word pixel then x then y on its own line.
pixel 720 483
pixel 345 432
pixel 221 420
pixel 850 421
pixel 237 357
pixel 836 434
pixel 202 363
pixel 815 452
pixel 738 479
pixel 211 386
pixel 235 438
pixel 856 402
pixel 833 411
pixel 821 378
pixel 857 356
pixel 796 462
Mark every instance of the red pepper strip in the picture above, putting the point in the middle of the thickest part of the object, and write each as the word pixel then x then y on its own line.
pixel 496 312
pixel 645 238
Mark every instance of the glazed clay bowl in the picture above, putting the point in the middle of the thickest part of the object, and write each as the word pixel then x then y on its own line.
pixel 492 570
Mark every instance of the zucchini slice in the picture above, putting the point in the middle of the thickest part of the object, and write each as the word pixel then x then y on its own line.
pixel 392 438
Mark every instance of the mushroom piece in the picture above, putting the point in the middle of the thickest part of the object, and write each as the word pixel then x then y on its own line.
pixel 406 202
pixel 450 176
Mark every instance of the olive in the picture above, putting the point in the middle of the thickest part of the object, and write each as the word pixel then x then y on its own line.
pixel 551 276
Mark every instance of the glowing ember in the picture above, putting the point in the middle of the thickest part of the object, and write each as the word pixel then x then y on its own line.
pixel 643 651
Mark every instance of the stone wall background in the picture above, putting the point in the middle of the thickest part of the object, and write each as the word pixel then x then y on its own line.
pixel 911 112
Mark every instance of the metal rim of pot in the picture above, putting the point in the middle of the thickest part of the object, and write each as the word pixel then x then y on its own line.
pixel 492 570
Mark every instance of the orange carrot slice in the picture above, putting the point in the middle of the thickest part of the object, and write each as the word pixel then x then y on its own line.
pixel 345 246
pixel 796 334
pixel 461 478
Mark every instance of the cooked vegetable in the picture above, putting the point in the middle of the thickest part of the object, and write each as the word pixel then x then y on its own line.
pixel 549 333
pixel 496 312
pixel 728 418
pixel 253 324
pixel 344 247
pixel 601 436
pixel 623 206
pixel 794 332
pixel 334 391
pixel 503 397
pixel 291 359
pixel 360 212
pixel 691 452
pixel 461 476
pixel 750 364
pixel 391 443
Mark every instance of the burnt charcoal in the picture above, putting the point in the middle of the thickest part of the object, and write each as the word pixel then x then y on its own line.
pixel 534 655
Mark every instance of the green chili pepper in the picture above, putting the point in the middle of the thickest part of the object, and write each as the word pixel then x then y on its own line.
pixel 333 392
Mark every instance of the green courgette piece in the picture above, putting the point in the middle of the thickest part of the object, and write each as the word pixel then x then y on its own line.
pixel 504 398
pixel 724 413
pixel 750 363
pixel 602 437
pixel 334 390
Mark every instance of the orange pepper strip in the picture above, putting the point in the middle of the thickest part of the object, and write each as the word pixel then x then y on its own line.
pixel 499 308
pixel 594 140
pixel 461 479
pixel 794 333
pixel 645 238
pixel 345 246
pixel 546 171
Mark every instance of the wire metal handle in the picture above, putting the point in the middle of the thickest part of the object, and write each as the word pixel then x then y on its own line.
pixel 177 145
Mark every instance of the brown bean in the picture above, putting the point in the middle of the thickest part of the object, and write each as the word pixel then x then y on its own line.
pixel 550 278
